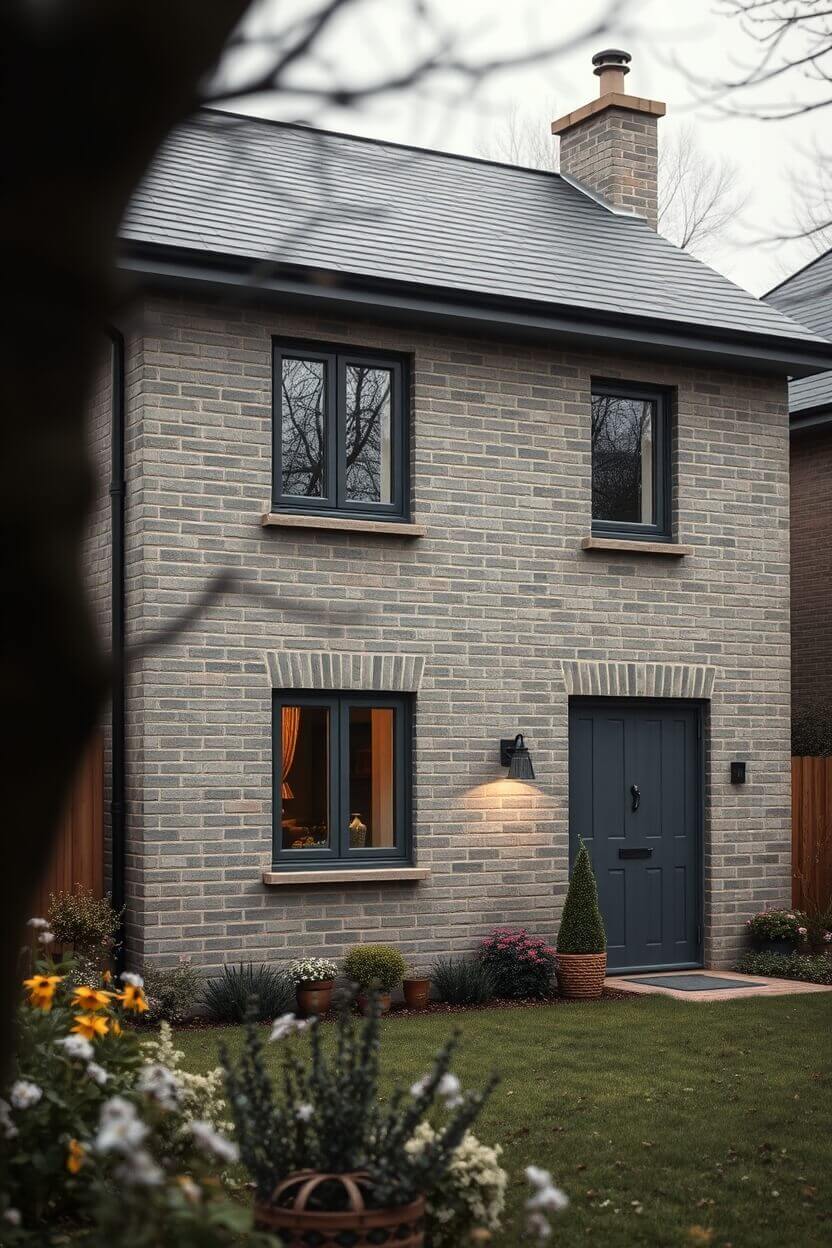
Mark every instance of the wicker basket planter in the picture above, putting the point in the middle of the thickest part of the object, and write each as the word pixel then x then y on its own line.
pixel 314 996
pixel 298 1226
pixel 416 993
pixel 581 975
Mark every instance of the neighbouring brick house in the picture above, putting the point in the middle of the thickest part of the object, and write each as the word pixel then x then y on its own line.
pixel 486 456
pixel 807 297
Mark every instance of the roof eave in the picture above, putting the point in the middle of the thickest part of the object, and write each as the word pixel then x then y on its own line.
pixel 173 267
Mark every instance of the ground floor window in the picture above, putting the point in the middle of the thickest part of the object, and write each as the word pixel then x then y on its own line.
pixel 341 778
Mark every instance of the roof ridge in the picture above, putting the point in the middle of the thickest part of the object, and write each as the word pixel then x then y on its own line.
pixel 364 138
pixel 824 255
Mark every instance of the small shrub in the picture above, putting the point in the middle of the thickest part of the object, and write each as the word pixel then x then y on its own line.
pixel 463 981
pixel 172 991
pixel 777 925
pixel 375 966
pixel 88 923
pixel 312 971
pixel 248 990
pixel 811 968
pixel 471 1195
pixel 522 965
pixel 581 925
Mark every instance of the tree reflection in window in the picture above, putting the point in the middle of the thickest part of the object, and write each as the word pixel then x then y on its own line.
pixel 622 459
pixel 302 431
pixel 368 425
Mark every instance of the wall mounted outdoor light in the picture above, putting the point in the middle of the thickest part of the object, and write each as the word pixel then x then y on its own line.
pixel 515 756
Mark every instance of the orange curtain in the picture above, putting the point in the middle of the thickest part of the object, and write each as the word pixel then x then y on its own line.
pixel 291 728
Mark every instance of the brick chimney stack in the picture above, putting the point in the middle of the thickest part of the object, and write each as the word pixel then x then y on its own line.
pixel 611 144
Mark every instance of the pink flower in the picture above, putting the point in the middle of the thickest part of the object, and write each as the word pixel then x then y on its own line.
pixel 801 931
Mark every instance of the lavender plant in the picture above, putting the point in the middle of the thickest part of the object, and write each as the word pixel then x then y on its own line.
pixel 328 1118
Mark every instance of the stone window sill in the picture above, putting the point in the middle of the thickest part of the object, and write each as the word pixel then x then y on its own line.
pixel 672 550
pixel 342 524
pixel 347 875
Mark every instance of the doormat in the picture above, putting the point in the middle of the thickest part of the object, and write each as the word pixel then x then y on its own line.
pixel 693 983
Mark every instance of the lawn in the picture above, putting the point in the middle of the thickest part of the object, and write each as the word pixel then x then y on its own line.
pixel 667 1123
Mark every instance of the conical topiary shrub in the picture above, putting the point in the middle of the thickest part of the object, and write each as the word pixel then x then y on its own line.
pixel 582 941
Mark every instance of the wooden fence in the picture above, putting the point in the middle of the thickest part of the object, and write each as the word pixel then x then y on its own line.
pixel 78 856
pixel 811 831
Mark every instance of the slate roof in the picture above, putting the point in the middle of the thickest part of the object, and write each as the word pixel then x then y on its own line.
pixel 236 186
pixel 807 296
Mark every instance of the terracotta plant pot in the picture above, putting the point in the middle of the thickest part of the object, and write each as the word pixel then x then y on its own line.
pixel 416 993
pixel 363 1002
pixel 581 975
pixel 298 1225
pixel 314 996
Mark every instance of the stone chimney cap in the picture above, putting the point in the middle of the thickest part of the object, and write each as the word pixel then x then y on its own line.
pixel 611 58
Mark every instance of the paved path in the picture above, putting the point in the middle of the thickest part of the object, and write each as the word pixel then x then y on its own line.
pixel 758 986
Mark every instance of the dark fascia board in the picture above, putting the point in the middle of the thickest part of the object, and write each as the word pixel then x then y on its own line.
pixel 810 419
pixel 178 268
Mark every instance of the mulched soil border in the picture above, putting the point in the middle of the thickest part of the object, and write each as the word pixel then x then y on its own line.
pixel 441 1007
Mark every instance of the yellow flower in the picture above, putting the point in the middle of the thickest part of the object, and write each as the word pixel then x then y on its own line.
pixel 42 990
pixel 75 1154
pixel 133 999
pixel 107 977
pixel 91 1025
pixel 90 999
pixel 115 1027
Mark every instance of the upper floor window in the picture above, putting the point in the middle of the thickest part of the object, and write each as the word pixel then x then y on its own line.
pixel 340 431
pixel 341 778
pixel 630 461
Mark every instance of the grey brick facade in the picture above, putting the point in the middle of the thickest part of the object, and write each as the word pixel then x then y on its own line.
pixel 498 607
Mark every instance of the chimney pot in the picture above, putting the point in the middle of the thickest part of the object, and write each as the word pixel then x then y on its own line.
pixel 611 65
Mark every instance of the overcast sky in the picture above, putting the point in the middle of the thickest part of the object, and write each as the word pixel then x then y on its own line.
pixel 774 158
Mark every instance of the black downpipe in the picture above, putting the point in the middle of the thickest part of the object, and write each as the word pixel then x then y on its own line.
pixel 118 795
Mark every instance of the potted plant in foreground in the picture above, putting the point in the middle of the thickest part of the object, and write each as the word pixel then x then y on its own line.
pixel 582 942
pixel 777 931
pixel 377 968
pixel 314 980
pixel 416 989
pixel 330 1163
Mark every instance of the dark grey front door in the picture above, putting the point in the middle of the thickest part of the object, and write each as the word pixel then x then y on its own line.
pixel 634 798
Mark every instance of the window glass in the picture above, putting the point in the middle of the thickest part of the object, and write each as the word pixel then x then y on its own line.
pixel 623 439
pixel 304 779
pixel 302 410
pixel 368 434
pixel 371 806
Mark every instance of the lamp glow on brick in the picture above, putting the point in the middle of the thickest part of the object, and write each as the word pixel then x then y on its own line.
pixel 515 756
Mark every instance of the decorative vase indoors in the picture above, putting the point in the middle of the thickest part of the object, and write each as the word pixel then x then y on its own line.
pixel 314 996
pixel 298 1225
pixel 416 992
pixel 358 832
pixel 582 942
pixel 364 1002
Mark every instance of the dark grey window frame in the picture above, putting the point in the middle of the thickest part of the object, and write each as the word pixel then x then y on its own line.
pixel 661 530
pixel 339 854
pixel 334 502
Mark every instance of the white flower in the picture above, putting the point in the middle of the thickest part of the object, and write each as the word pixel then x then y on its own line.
pixel 304 1112
pixel 312 970
pixel 546 1197
pixel 549 1197
pixel 97 1073
pixel 449 1089
pixel 6 1125
pixel 120 1130
pixel 538 1177
pixel 212 1142
pixel 140 1171
pixel 12 1216
pixel 46 938
pixel 285 1026
pixel 160 1084
pixel 76 1046
pixel 537 1225
pixel 135 981
pixel 40 925
pixel 420 1087
pixel 24 1094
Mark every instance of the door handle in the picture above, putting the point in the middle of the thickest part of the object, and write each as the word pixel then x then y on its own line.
pixel 636 792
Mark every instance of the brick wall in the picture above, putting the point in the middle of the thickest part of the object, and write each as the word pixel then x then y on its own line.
pixel 494 598
pixel 811 546
pixel 615 152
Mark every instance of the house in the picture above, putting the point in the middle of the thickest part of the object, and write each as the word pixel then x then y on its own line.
pixel 807 297
pixel 487 458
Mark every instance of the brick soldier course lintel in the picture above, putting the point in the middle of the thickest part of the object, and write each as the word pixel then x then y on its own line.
pixel 597 678
pixel 613 99
pixel 328 669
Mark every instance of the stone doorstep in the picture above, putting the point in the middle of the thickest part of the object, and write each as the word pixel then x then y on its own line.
pixel 763 986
